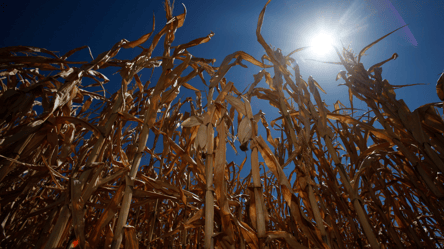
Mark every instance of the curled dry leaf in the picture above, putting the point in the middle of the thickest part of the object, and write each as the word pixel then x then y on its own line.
pixel 192 121
pixel 440 87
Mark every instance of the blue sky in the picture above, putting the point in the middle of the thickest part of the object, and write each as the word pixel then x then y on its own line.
pixel 64 25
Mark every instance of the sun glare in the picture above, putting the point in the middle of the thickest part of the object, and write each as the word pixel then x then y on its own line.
pixel 322 44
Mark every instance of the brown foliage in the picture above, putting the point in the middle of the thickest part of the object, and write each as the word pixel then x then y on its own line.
pixel 73 170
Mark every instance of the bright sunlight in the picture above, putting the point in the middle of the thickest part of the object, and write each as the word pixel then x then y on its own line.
pixel 322 44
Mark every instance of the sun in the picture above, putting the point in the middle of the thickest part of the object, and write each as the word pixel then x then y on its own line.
pixel 322 44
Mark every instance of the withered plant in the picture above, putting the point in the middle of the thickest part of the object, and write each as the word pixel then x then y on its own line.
pixel 77 167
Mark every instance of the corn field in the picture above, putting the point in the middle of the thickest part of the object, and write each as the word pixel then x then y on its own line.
pixel 82 169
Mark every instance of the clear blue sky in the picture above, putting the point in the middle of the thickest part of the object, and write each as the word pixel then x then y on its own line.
pixel 64 25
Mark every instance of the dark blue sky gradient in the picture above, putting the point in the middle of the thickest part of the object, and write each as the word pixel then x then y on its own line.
pixel 64 25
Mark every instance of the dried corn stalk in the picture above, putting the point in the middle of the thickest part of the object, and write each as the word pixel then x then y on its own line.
pixel 146 169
